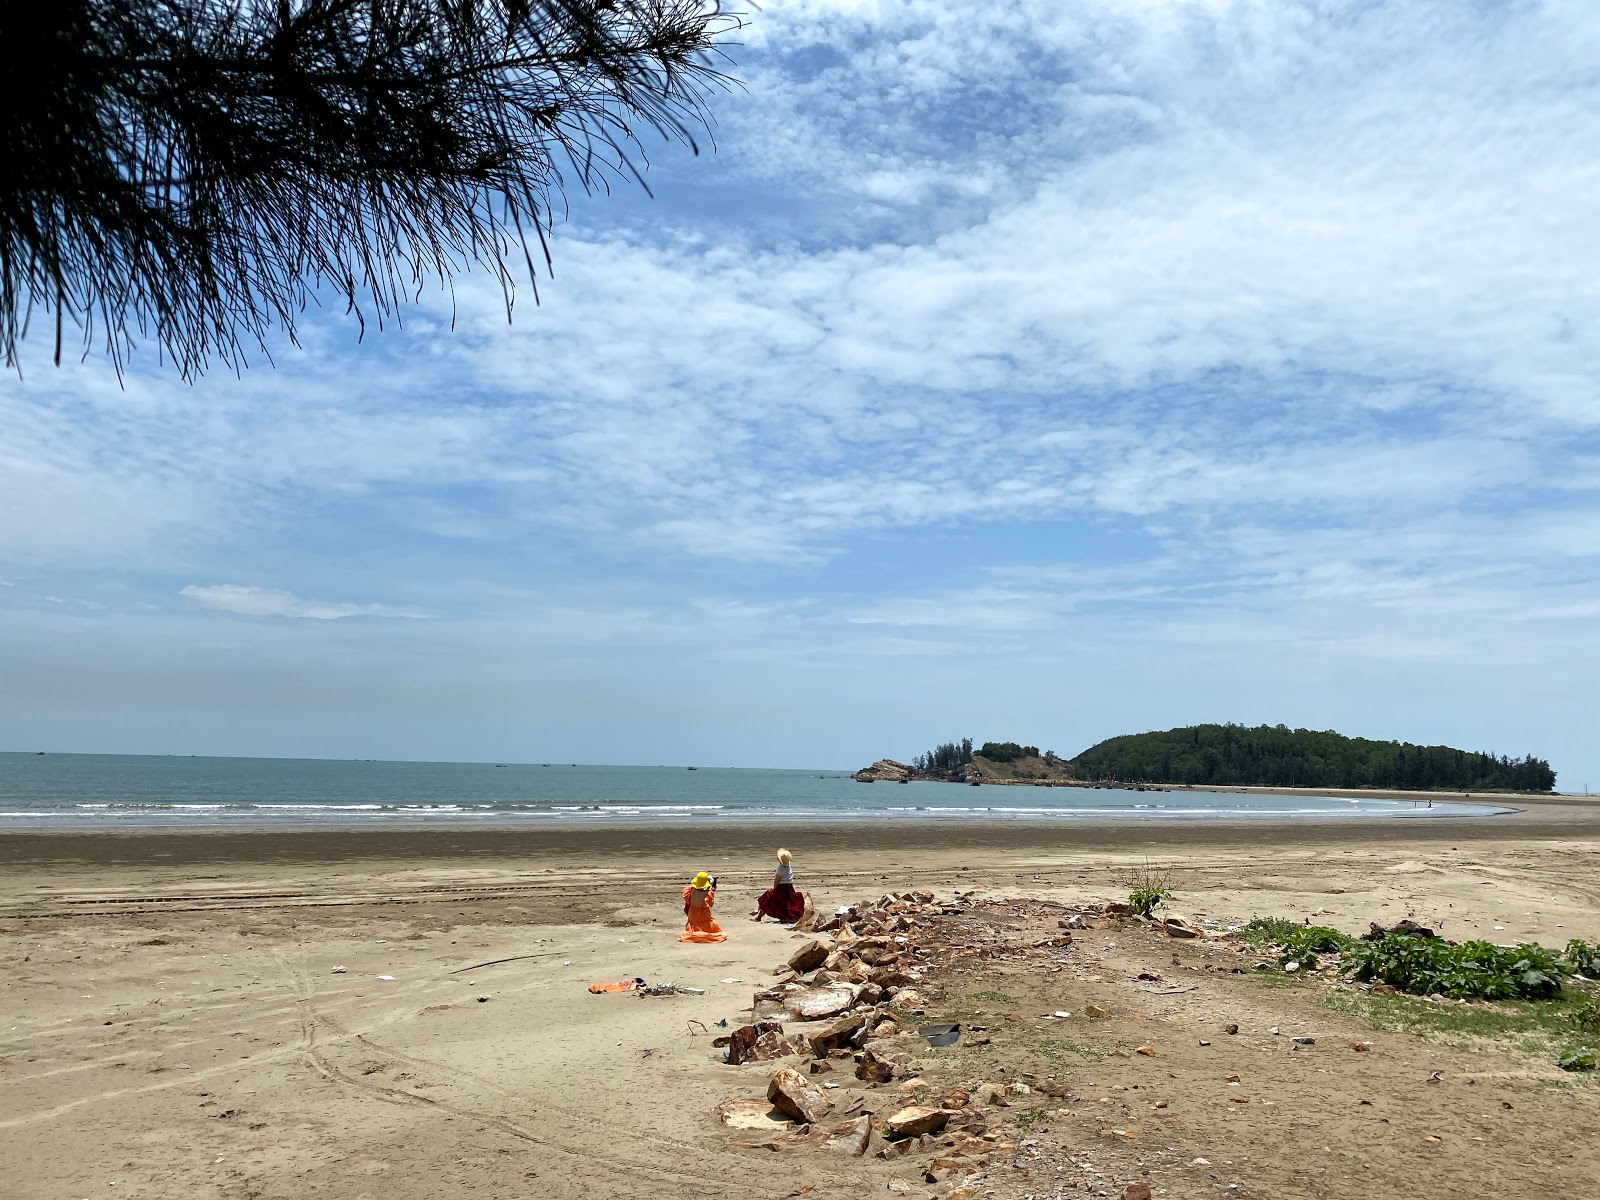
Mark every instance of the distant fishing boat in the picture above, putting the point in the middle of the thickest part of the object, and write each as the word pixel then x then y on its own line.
pixel 691 768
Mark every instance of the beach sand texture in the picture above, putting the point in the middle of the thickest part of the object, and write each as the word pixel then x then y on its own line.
pixel 172 1021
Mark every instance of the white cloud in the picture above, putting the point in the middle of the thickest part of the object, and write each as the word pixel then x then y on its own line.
pixel 272 602
pixel 1235 327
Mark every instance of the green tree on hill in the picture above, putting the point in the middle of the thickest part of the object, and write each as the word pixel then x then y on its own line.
pixel 1276 756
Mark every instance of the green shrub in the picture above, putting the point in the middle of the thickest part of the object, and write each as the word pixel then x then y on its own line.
pixel 1145 899
pixel 1469 971
pixel 1148 886
pixel 1587 1014
pixel 1308 941
pixel 1584 957
pixel 1297 943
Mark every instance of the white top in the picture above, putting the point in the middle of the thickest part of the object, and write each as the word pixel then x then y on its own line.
pixel 785 873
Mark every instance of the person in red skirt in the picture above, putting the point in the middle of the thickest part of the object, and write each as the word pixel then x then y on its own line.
pixel 781 902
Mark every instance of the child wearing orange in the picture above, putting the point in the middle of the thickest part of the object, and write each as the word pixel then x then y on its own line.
pixel 701 926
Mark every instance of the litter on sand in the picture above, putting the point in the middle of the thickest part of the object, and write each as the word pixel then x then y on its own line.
pixel 390 978
pixel 669 989
pixel 622 985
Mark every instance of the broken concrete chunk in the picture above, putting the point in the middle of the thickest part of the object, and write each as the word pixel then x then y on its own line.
pixel 798 1098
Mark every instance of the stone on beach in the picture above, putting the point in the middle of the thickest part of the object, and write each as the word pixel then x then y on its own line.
pixel 850 1138
pixel 915 1121
pixel 808 958
pixel 818 1004
pixel 761 1042
pixel 752 1114
pixel 798 1098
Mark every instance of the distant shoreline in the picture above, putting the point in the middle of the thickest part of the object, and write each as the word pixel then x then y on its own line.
pixel 1341 793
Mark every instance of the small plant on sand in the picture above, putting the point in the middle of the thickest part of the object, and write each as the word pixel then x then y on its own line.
pixel 1581 1059
pixel 1148 886
pixel 1469 971
pixel 1268 931
pixel 1304 944
pixel 1298 944
pixel 1584 957
pixel 1587 1015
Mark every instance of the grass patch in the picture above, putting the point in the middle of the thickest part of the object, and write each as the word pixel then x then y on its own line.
pixel 1069 1051
pixel 1268 931
pixel 1539 1027
pixel 993 998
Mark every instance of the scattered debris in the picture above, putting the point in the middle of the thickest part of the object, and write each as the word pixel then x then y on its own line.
pixel 494 962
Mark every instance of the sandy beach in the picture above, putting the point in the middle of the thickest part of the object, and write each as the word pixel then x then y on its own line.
pixel 175 1019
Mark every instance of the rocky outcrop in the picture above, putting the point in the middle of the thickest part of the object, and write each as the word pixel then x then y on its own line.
pixel 886 769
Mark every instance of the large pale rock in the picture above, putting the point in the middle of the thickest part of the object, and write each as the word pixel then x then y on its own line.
pixel 752 1114
pixel 809 957
pixel 792 1094
pixel 818 1004
pixel 850 1138
pixel 915 1121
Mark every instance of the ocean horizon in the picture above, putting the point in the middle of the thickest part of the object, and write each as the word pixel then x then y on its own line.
pixel 48 791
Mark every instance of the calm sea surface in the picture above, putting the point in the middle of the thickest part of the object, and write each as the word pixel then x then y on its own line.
pixel 83 791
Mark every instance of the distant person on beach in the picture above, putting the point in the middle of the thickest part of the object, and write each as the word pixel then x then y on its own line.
pixel 781 902
pixel 698 898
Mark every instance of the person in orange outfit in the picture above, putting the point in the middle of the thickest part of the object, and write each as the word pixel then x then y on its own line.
pixel 698 898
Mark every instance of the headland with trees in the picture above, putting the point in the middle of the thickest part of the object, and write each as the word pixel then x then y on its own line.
pixel 1231 756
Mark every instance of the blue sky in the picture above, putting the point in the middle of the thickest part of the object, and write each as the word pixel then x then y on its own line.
pixel 1035 370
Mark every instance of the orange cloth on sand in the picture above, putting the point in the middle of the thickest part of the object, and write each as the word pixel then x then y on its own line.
pixel 701 926
pixel 624 985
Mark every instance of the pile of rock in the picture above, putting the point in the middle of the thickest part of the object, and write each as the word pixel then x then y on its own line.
pixel 854 986
pixel 885 769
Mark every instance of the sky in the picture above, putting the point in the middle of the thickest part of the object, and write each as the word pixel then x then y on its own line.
pixel 1040 370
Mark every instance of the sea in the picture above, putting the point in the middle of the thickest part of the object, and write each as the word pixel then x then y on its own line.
pixel 110 791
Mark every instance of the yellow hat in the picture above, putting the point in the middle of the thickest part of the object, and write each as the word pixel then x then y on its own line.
pixel 701 880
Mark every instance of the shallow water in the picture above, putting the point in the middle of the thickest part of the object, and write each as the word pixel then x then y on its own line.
pixel 87 791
